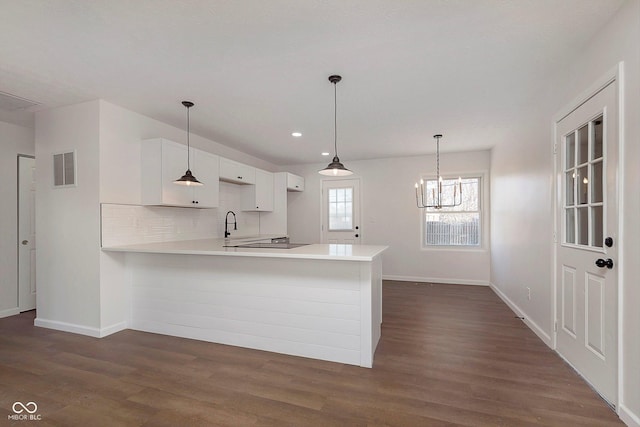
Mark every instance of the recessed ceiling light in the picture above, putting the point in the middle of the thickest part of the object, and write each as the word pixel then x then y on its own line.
pixel 296 134
pixel 325 153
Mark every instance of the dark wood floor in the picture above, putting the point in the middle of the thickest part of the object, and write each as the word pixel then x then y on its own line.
pixel 449 355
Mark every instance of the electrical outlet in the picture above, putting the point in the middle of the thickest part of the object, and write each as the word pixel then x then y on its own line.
pixel 528 293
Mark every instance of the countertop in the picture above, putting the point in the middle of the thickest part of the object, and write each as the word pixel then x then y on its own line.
pixel 216 247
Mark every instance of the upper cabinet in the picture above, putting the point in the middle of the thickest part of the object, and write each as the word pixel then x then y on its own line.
pixel 164 161
pixel 259 197
pixel 294 182
pixel 237 173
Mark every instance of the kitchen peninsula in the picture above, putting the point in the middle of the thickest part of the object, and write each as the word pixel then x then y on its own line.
pixel 322 301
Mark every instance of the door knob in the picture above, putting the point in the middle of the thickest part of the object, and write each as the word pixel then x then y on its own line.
pixel 357 235
pixel 25 242
pixel 605 263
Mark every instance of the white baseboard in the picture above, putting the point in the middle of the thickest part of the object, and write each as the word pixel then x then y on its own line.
pixel 628 417
pixel 9 312
pixel 80 329
pixel 117 327
pixel 545 337
pixel 435 280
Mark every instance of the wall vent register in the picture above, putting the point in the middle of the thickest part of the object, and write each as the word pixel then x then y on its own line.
pixel 64 169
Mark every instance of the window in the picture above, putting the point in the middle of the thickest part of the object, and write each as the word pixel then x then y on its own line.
pixel 340 209
pixel 584 185
pixel 458 225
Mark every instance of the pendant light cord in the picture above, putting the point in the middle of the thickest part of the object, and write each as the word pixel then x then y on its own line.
pixel 335 119
pixel 438 158
pixel 188 144
pixel 438 182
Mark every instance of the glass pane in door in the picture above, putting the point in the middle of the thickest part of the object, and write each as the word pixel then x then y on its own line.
pixel 583 226
pixel 597 231
pixel 340 209
pixel 583 144
pixel 570 152
pixel 569 187
pixel 570 226
pixel 596 183
pixel 597 138
pixel 583 185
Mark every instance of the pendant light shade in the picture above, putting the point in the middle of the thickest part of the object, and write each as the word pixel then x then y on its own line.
pixel 188 178
pixel 335 168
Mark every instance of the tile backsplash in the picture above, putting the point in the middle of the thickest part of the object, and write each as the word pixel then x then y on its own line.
pixel 231 200
pixel 131 224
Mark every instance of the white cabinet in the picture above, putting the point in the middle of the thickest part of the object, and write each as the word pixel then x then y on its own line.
pixel 164 161
pixel 237 173
pixel 294 182
pixel 259 197
pixel 206 166
pixel 275 222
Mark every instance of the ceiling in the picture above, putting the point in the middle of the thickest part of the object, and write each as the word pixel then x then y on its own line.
pixel 257 70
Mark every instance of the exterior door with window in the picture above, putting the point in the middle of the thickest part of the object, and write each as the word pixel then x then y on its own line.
pixel 341 211
pixel 586 275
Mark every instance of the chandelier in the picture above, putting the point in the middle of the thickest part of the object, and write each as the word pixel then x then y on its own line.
pixel 440 191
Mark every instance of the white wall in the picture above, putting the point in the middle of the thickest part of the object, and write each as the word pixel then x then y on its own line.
pixel 390 216
pixel 14 140
pixel 67 219
pixel 527 160
pixel 521 222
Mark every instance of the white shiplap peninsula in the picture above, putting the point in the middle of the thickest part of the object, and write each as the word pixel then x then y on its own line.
pixel 319 301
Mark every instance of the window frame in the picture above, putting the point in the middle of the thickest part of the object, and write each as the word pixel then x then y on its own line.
pixel 483 202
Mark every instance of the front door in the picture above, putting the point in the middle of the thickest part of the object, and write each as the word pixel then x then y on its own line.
pixel 26 234
pixel 341 211
pixel 587 274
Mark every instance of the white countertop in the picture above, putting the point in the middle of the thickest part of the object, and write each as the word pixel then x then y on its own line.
pixel 216 247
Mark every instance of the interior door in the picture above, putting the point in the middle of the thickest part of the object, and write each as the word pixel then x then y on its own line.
pixel 586 276
pixel 26 233
pixel 341 211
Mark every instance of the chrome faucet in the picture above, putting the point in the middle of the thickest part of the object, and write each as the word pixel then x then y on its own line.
pixel 226 223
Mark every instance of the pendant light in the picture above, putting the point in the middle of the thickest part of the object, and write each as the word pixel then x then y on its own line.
pixel 422 200
pixel 188 178
pixel 335 168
